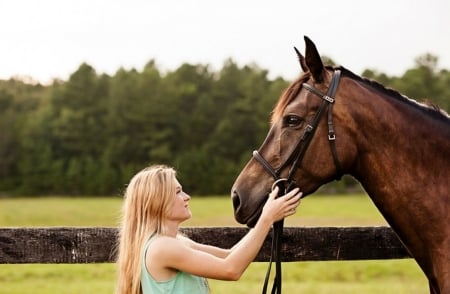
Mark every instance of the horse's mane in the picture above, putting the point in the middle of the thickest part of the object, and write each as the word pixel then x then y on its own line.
pixel 293 90
pixel 426 107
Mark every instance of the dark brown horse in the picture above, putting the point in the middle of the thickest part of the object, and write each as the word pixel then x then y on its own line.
pixel 398 149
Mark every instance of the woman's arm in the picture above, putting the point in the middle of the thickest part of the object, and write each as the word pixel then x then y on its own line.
pixel 216 251
pixel 171 253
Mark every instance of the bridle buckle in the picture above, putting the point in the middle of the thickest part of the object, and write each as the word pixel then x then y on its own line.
pixel 328 98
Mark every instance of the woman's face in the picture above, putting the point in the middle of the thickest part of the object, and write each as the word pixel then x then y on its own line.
pixel 180 209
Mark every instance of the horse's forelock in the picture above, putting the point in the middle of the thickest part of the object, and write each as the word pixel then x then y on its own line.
pixel 288 95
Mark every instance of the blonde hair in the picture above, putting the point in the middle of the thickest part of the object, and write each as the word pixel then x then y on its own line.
pixel 147 200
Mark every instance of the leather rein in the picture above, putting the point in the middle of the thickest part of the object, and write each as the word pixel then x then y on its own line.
pixel 287 184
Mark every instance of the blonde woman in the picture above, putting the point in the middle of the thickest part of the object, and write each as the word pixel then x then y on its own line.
pixel 153 256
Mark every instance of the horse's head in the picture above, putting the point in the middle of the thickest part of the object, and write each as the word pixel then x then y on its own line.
pixel 292 151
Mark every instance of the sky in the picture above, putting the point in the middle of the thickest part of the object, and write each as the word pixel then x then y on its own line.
pixel 50 39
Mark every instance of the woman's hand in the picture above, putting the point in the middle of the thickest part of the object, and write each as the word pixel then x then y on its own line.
pixel 276 209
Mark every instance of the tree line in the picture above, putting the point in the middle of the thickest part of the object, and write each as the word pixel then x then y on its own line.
pixel 90 134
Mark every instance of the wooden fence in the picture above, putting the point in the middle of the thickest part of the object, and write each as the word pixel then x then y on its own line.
pixel 96 244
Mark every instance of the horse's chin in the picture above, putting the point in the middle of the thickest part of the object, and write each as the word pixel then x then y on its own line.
pixel 254 217
pixel 251 222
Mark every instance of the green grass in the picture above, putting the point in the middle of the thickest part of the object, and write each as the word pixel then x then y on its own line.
pixel 387 276
pixel 59 211
pixel 336 210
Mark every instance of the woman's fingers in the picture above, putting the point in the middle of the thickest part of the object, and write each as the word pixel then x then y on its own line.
pixel 293 193
pixel 292 201
pixel 274 193
pixel 285 205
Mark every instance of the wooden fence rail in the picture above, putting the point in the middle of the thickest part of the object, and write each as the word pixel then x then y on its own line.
pixel 96 244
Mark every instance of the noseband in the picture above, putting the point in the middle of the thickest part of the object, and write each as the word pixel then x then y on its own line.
pixel 287 184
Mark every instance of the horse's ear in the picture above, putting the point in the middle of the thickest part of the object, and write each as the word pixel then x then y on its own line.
pixel 313 60
pixel 301 60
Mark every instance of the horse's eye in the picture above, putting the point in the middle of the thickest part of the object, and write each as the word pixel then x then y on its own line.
pixel 292 121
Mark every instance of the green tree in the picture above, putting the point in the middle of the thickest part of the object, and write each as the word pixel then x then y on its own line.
pixel 89 135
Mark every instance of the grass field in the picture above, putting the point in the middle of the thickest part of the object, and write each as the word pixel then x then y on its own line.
pixel 387 276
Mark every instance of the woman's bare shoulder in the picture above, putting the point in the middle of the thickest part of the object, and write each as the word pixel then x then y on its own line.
pixel 163 244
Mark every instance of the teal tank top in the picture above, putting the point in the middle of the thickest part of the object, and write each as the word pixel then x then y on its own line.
pixel 181 283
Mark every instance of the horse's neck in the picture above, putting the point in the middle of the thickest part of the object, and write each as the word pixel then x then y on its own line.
pixel 400 148
pixel 403 161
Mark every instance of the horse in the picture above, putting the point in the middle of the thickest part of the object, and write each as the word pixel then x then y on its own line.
pixel 397 148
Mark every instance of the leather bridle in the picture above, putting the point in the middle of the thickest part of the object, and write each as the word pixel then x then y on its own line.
pixel 287 184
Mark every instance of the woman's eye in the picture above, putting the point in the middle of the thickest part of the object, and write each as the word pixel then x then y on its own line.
pixel 292 121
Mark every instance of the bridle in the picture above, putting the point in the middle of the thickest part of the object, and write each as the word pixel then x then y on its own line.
pixel 300 149
pixel 287 184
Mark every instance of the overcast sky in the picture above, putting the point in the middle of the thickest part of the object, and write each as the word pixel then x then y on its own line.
pixel 48 39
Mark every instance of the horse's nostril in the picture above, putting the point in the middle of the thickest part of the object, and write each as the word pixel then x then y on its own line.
pixel 236 200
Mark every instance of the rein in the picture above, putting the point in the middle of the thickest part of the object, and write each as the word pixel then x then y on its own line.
pixel 287 184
